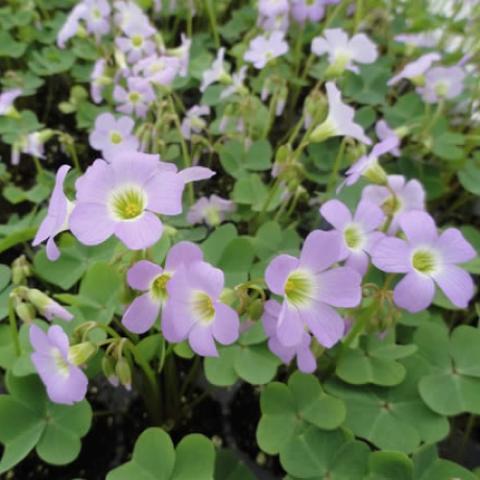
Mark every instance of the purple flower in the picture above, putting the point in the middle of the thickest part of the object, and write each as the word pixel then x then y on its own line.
pixel 158 70
pixel 359 233
pixel 368 166
pixel 276 23
pixel 183 54
pixel 263 49
pixel 216 72
pixel 237 85
pixel 193 121
pixel 408 196
pixel 310 290
pixel 98 80
pixel 113 136
pixel 273 8
pixel 194 309
pixel 343 52
pixel 212 210
pixel 97 16
pixel 416 69
pixel 7 98
pixel 303 10
pixel 306 361
pixel 442 83
pixel 136 99
pixel 384 132
pixel 340 120
pixel 137 44
pixel 426 258
pixel 46 306
pixel 153 280
pixel 123 198
pixel 128 15
pixel 70 27
pixel 65 382
pixel 56 220
pixel 34 145
pixel 422 39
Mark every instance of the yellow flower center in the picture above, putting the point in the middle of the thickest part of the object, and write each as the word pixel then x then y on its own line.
pixel 159 286
pixel 116 137
pixel 134 97
pixel 60 363
pixel 137 41
pixel 128 203
pixel 299 288
pixel 424 262
pixel 202 307
pixel 353 237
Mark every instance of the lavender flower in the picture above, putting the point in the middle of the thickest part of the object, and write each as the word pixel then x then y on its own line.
pixel 160 70
pixel 427 259
pixel 312 10
pixel 310 290
pixel 408 196
pixel 442 83
pixel 384 132
pixel 340 120
pixel 56 220
pixel 263 49
pixel 122 198
pixel 98 80
pixel 194 309
pixel 46 306
pixel 65 382
pixel 368 166
pixel 6 100
pixel 183 54
pixel 137 44
pixel 153 280
pixel 70 27
pixel 128 15
pixel 212 210
pixel 359 233
pixel 193 121
pixel 216 72
pixel 136 99
pixel 112 136
pixel 343 52
pixel 422 39
pixel 97 16
pixel 306 361
pixel 237 85
pixel 275 23
pixel 415 70
pixel 273 8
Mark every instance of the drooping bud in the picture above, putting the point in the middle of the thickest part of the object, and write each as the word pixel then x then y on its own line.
pixel 255 310
pixel 25 311
pixel 21 270
pixel 46 306
pixel 124 373
pixel 108 368
pixel 80 353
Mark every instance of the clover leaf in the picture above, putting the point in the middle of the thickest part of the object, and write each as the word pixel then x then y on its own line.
pixel 155 458
pixel 287 409
pixel 452 383
pixel 29 420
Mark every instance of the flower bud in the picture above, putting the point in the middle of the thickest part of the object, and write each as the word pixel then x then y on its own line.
pixel 46 306
pixel 21 270
pixel 228 296
pixel 26 312
pixel 376 174
pixel 108 368
pixel 80 353
pixel 255 310
pixel 323 132
pixel 124 373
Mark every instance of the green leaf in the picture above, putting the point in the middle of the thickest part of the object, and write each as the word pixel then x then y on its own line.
pixel 50 61
pixel 389 466
pixel 469 177
pixel 316 454
pixel 154 458
pixel 236 260
pixel 30 420
pixel 9 47
pixel 228 467
pixel 214 246
pixel 289 409
pixel 252 191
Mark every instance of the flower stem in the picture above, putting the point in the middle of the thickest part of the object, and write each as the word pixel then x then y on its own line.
pixel 13 328
pixel 213 22
pixel 38 165
pixel 336 168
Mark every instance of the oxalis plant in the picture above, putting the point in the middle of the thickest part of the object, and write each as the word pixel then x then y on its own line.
pixel 241 232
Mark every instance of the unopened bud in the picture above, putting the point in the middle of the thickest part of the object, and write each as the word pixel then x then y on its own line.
pixel 80 353
pixel 21 270
pixel 228 296
pixel 255 310
pixel 108 368
pixel 124 373
pixel 26 312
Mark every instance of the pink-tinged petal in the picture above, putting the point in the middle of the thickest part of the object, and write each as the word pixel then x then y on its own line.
pixel 285 354
pixel 141 314
pixel 414 292
pixel 177 319
pixel 375 194
pixel 413 195
pixel 457 285
pixel 203 276
pixel 306 361
pixel 336 213
pixel 164 192
pixel 59 339
pixel 339 287
pixel 363 49
pixel 183 253
pixel 53 253
pixel 392 255
pixel 271 312
pixel 141 275
pixel 194 174
pixel 325 323
pixel 358 261
pixel 369 215
pixel 125 125
pixel 321 250
pixel 290 326
pixel 372 240
pixel 141 233
pixel 453 247
pixel 419 227
pixel 39 340
pixel 201 341
pixel 68 390
pixel 277 272
pixel 226 325
pixel 91 223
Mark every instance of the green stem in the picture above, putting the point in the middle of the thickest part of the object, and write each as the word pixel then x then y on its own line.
pixel 13 328
pixel 213 22
pixel 38 165
pixel 358 14
pixel 468 431
pixel 336 168
pixel 73 153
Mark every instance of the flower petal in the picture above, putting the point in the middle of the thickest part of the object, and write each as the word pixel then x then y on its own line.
pixel 141 233
pixel 325 323
pixel 339 287
pixel 141 314
pixel 201 341
pixel 414 292
pixel 183 253
pixel 290 326
pixel 457 285
pixel 369 215
pixel 320 250
pixel 91 223
pixel 226 325
pixel 336 213
pixel 142 273
pixel 453 247
pixel 419 227
pixel 277 272
pixel 392 255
